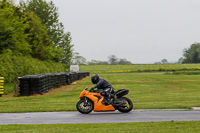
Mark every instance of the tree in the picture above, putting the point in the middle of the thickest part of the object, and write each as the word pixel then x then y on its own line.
pixel 97 62
pixel 192 54
pixel 41 44
pixel 23 33
pixel 78 60
pixel 180 60
pixel 124 61
pixel 157 63
pixel 113 60
pixel 12 30
pixel 67 47
pixel 6 40
pixel 9 1
pixel 164 61
pixel 48 13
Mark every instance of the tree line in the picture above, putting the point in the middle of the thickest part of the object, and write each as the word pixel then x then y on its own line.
pixel 165 61
pixel 190 55
pixel 112 60
pixel 33 29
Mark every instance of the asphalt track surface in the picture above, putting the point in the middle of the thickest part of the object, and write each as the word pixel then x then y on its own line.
pixel 98 117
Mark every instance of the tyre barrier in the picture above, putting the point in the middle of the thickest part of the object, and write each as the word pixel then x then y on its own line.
pixel 1 86
pixel 42 83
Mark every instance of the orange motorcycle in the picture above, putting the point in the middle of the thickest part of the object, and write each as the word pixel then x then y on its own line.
pixel 91 100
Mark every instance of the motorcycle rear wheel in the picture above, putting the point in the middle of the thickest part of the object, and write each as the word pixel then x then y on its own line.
pixel 127 106
pixel 84 109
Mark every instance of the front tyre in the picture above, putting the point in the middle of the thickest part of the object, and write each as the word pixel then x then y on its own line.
pixel 84 109
pixel 127 105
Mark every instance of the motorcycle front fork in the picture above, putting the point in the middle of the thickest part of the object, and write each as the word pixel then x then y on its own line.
pixel 86 101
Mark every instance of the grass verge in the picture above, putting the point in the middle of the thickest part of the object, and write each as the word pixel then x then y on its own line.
pixel 143 127
pixel 147 91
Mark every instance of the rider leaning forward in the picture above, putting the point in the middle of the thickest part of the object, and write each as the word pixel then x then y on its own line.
pixel 103 87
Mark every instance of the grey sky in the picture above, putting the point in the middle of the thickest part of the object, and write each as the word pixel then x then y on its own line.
pixel 142 31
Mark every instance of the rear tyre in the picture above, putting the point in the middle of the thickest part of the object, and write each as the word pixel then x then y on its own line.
pixel 127 106
pixel 84 109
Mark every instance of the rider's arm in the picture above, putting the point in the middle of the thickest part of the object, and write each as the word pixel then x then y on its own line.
pixel 98 84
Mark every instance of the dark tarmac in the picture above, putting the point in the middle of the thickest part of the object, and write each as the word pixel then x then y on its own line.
pixel 98 117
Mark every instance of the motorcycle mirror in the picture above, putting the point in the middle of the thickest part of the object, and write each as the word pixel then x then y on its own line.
pixel 87 88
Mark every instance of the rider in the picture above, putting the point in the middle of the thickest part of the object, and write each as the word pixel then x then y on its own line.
pixel 102 84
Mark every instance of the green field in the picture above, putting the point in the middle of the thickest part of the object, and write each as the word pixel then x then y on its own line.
pixel 138 68
pixel 147 90
pixel 141 127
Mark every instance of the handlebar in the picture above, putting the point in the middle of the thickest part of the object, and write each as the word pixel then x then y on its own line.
pixel 90 89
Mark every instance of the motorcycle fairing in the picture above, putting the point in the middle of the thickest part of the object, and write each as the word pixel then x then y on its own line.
pixel 97 99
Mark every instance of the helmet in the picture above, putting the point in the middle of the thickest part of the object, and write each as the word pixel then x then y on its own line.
pixel 95 79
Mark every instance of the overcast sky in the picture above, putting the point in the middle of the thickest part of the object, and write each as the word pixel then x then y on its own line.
pixel 142 31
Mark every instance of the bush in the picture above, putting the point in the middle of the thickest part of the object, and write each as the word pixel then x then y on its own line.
pixel 16 66
pixel 187 73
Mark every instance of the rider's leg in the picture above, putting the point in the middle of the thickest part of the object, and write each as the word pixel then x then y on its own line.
pixel 108 94
pixel 99 91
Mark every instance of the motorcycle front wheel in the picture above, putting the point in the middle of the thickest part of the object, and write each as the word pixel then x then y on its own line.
pixel 127 105
pixel 84 109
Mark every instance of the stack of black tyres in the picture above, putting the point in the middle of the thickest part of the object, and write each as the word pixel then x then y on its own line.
pixel 24 86
pixel 37 84
pixel 67 80
pixel 42 83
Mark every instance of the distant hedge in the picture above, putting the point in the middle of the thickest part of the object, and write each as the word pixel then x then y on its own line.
pixel 187 73
pixel 12 66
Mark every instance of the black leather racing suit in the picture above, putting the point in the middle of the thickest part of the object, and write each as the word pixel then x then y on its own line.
pixel 104 86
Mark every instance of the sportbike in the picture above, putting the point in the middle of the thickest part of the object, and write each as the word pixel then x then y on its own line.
pixel 93 101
